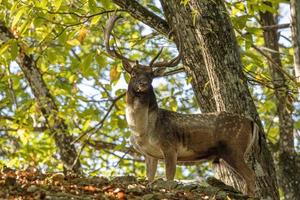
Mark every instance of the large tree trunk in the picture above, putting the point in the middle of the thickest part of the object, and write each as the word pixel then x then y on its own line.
pixel 295 15
pixel 47 105
pixel 212 34
pixel 287 172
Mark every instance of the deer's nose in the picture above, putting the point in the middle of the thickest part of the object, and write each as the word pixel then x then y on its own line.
pixel 143 82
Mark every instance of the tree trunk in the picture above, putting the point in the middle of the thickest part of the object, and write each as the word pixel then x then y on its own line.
pixel 206 25
pixel 47 105
pixel 295 15
pixel 288 175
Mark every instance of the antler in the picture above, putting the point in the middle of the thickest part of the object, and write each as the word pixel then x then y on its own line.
pixel 172 63
pixel 112 51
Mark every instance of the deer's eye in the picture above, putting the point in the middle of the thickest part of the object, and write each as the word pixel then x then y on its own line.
pixel 133 74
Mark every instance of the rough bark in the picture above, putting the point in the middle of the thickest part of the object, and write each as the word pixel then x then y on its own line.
pixel 288 173
pixel 144 15
pixel 214 37
pixel 295 15
pixel 57 126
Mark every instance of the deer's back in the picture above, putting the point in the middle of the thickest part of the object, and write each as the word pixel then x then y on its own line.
pixel 193 136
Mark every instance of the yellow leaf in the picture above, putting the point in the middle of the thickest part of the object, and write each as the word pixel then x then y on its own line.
pixel 73 42
pixel 57 4
pixel 82 34
pixel 114 74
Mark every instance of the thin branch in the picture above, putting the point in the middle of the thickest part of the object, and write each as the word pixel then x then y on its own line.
pixel 100 124
pixel 86 18
pixel 122 158
pixel 75 55
pixel 11 88
pixel 142 14
pixel 34 129
pixel 273 62
pixel 175 71
pixel 277 26
pixel 271 50
pixel 286 38
pixel 269 59
pixel 112 153
pixel 97 144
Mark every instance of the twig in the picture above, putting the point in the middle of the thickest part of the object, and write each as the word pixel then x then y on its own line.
pixel 100 124
pixel 175 71
pixel 269 58
pixel 11 88
pixel 277 26
pixel 122 158
pixel 86 18
pixel 75 55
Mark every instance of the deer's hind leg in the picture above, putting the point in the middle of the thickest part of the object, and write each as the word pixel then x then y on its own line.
pixel 151 166
pixel 237 162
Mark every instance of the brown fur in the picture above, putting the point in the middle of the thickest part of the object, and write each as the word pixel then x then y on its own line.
pixel 175 137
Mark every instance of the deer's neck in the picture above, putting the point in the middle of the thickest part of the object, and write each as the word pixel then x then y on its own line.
pixel 141 111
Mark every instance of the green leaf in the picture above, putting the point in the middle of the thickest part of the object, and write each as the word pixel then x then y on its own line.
pixel 14 49
pixel 86 65
pixel 101 60
pixel 95 20
pixel 73 42
pixel 3 48
pixel 57 4
pixel 86 125
pixel 19 14
pixel 92 5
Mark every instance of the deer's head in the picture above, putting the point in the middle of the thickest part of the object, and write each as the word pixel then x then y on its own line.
pixel 141 76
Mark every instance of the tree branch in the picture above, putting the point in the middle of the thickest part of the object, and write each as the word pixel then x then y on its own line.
pixel 277 26
pixel 142 14
pixel 100 124
pixel 269 59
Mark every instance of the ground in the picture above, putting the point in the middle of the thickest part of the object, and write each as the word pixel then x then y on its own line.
pixel 33 184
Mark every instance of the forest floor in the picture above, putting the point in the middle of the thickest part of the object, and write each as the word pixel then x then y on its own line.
pixel 32 184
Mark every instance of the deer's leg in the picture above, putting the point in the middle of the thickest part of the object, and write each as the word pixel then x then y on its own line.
pixel 237 163
pixel 170 157
pixel 151 166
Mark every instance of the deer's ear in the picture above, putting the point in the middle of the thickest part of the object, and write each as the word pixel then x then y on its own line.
pixel 159 72
pixel 127 66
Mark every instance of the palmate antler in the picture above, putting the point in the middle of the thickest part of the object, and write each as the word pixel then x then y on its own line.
pixel 128 62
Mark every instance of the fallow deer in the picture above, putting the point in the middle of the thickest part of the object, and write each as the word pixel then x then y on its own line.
pixel 173 137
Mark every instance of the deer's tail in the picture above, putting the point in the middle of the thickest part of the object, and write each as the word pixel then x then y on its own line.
pixel 253 146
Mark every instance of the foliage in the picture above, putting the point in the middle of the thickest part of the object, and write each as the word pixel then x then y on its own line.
pixel 66 40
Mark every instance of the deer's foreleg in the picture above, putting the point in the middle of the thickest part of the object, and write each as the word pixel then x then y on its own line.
pixel 170 157
pixel 151 166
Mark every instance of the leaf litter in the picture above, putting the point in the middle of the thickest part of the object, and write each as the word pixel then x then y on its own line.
pixel 32 184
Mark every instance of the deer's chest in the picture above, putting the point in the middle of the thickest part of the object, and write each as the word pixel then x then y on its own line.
pixel 146 146
pixel 139 119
